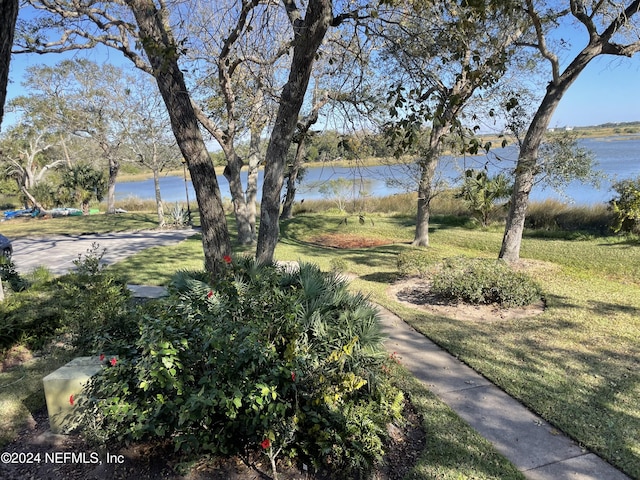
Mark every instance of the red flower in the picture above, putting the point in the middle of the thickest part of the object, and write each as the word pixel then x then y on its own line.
pixel 114 360
pixel 293 376
pixel 227 259
pixel 71 399
pixel 210 294
pixel 102 357
pixel 266 443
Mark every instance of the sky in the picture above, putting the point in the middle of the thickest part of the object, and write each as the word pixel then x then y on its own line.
pixel 605 92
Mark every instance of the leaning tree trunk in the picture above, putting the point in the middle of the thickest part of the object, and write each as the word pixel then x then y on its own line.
pixel 240 208
pixel 161 49
pixel 8 16
pixel 292 180
pixel 309 34
pixel 527 165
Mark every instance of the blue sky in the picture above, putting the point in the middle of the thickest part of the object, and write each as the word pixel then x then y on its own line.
pixel 606 91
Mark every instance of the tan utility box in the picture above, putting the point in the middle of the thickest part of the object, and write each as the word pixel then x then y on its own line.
pixel 63 387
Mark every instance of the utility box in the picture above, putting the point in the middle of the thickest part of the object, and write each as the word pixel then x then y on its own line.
pixel 63 387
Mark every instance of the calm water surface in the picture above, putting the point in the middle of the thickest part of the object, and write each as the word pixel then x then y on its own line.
pixel 617 157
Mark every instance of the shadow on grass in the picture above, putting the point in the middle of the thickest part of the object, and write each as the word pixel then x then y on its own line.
pixel 381 277
pixel 586 387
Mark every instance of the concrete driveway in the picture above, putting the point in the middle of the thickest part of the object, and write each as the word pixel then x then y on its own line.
pixel 58 253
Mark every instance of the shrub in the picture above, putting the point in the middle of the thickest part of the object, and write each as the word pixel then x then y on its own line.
pixel 627 206
pixel 484 281
pixel 29 318
pixel 9 274
pixel 287 363
pixel 95 306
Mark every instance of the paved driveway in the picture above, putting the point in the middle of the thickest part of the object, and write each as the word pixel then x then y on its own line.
pixel 58 253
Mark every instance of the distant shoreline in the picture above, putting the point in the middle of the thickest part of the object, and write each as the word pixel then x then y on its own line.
pixel 614 132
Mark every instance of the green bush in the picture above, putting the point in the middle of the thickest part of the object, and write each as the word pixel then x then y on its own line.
pixel 96 307
pixel 29 318
pixel 626 206
pixel 287 363
pixel 484 281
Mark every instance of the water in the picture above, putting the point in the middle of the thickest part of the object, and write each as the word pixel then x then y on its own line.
pixel 617 157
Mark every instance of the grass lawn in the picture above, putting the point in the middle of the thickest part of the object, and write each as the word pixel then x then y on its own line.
pixel 577 364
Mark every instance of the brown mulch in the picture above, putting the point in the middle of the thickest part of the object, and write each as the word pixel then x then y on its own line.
pixel 416 292
pixel 348 241
pixel 68 457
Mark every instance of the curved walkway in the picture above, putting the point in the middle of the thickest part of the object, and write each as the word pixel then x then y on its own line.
pixel 536 448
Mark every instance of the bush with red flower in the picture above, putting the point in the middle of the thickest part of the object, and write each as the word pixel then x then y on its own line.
pixel 284 363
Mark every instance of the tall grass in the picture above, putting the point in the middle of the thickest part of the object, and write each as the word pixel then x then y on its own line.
pixel 401 204
pixel 552 215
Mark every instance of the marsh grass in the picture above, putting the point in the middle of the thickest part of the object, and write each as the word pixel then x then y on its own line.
pixel 552 215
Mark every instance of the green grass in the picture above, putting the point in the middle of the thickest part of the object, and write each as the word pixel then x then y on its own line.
pixel 453 450
pixel 577 365
pixel 21 391
pixel 101 223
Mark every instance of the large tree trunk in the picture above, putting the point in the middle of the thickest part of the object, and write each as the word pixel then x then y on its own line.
pixel 527 165
pixel 425 194
pixel 114 168
pixel 8 16
pixel 309 34
pixel 252 178
pixel 426 187
pixel 240 208
pixel 161 49
pixel 292 179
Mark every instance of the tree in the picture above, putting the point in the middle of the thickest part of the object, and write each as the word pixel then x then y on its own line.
pixel 463 49
pixel 29 149
pixel 163 51
pixel 301 137
pixel 88 101
pixel 481 192
pixel 309 32
pixel 83 183
pixel 239 62
pixel 148 134
pixel 141 30
pixel 606 24
pixel 8 17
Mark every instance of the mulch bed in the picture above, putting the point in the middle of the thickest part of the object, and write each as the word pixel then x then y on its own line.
pixel 51 458
pixel 348 241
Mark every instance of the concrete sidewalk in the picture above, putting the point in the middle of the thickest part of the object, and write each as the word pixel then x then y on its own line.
pixel 531 444
pixel 58 252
